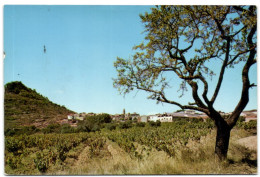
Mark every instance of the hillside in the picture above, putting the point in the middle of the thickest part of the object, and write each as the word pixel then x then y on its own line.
pixel 25 107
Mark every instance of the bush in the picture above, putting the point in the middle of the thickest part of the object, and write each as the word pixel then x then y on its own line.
pixel 41 162
pixel 28 130
pixel 125 125
pixel 93 123
pixel 252 124
pixel 9 132
pixel 13 145
pixel 15 87
pixel 13 162
pixel 155 124
pixel 241 119
pixel 96 127
pixel 82 127
pixel 140 124
pixel 110 126
pixel 99 119
pixel 52 128
pixel 195 120
pixel 66 128
pixel 88 126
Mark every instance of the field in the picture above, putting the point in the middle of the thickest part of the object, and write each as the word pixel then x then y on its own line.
pixel 180 147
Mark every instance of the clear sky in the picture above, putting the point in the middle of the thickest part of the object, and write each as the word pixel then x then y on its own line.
pixel 82 42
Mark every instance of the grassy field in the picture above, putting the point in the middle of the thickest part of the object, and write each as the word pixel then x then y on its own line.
pixel 172 148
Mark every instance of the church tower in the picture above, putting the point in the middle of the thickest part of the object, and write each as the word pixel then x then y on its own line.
pixel 124 113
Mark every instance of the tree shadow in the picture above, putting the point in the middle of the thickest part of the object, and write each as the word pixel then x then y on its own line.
pixel 247 160
pixel 251 163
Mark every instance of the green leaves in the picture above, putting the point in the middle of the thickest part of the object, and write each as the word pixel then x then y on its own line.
pixel 180 39
pixel 167 137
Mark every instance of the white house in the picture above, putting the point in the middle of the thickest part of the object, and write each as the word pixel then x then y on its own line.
pixel 142 119
pixel 189 111
pixel 165 119
pixel 70 117
pixel 75 116
pixel 161 118
pixel 153 118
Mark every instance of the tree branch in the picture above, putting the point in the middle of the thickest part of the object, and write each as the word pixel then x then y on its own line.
pixel 195 95
pixel 221 73
pixel 163 99
pixel 239 8
pixel 237 55
pixel 246 82
pixel 205 92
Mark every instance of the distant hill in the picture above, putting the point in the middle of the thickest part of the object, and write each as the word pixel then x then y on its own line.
pixel 253 110
pixel 25 107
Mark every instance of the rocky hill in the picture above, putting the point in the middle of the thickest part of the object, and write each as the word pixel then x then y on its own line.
pixel 25 107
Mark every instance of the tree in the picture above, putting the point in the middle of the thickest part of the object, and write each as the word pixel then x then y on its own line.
pixel 182 41
pixel 94 123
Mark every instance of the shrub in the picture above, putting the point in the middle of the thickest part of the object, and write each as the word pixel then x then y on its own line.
pixel 66 128
pixel 15 87
pixel 140 124
pixel 93 123
pixel 28 130
pixel 241 119
pixel 125 125
pixel 210 123
pixel 13 161
pixel 13 145
pixel 110 126
pixel 62 152
pixel 252 124
pixel 41 162
pixel 99 119
pixel 96 127
pixel 82 127
pixel 88 126
pixel 195 120
pixel 155 124
pixel 52 128
pixel 9 132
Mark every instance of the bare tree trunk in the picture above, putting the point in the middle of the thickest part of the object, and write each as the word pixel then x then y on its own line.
pixel 222 140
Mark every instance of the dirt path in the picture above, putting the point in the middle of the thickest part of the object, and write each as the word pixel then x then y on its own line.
pixel 249 142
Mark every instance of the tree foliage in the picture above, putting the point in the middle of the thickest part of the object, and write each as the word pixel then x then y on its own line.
pixel 180 42
pixel 182 39
pixel 94 123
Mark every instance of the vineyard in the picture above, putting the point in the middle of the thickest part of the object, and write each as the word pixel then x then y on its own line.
pixel 136 150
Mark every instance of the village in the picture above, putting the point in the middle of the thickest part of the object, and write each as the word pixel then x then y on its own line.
pixel 73 119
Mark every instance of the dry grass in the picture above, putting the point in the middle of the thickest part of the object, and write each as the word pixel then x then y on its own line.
pixel 196 158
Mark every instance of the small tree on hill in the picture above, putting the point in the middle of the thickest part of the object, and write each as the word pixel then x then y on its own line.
pixel 182 41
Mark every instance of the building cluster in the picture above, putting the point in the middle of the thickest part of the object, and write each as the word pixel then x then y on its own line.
pixel 169 117
pixel 166 117
pixel 76 116
pixel 125 116
pixel 249 115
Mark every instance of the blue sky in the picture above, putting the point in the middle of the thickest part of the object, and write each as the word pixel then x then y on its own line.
pixel 82 42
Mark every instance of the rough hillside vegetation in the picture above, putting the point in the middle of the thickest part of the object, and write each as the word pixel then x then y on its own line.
pixel 23 106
